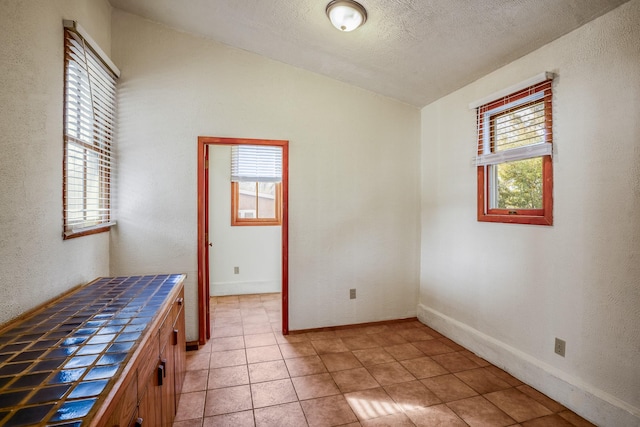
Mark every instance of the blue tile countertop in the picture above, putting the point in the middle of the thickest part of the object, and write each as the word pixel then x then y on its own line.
pixel 55 363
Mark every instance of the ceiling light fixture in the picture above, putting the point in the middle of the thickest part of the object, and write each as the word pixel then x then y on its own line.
pixel 346 15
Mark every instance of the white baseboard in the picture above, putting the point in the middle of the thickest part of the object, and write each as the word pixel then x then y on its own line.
pixel 243 288
pixel 591 403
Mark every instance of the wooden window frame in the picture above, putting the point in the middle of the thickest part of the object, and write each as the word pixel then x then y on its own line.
pixel 235 204
pixel 88 104
pixel 542 216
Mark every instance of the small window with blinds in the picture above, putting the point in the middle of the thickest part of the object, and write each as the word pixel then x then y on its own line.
pixel 256 176
pixel 515 175
pixel 89 118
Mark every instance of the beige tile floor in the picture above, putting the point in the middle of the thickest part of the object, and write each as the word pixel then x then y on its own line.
pixel 394 374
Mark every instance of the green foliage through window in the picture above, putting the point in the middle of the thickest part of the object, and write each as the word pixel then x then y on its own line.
pixel 519 184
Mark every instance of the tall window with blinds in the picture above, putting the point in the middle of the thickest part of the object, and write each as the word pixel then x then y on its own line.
pixel 256 176
pixel 89 120
pixel 514 165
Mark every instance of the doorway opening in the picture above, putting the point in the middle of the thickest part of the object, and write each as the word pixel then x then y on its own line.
pixel 204 314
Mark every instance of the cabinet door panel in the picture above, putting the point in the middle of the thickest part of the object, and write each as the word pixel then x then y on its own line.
pixel 180 354
pixel 148 364
pixel 167 389
pixel 148 409
pixel 125 410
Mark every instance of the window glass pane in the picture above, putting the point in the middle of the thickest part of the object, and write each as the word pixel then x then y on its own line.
pixel 267 200
pixel 75 183
pixel 92 189
pixel 519 127
pixel 517 185
pixel 247 204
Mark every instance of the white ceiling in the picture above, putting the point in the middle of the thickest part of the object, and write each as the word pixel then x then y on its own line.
pixel 415 51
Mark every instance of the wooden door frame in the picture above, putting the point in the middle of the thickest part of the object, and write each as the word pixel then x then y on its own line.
pixel 204 315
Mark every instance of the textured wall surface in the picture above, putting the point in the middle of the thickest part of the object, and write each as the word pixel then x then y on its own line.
pixel 349 149
pixel 35 262
pixel 508 290
pixel 255 250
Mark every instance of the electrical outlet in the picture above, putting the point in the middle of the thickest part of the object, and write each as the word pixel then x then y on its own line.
pixel 560 347
pixel 352 294
pixel 236 270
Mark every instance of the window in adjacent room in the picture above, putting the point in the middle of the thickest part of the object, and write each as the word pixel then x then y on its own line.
pixel 256 176
pixel 515 174
pixel 89 118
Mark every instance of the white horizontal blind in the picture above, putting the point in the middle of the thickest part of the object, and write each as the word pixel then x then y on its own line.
pixel 516 126
pixel 89 119
pixel 256 163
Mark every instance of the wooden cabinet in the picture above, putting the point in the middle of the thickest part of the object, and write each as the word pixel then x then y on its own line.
pixel 128 339
pixel 158 402
pixel 149 395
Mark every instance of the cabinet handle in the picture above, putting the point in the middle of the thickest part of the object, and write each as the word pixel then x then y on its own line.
pixel 175 337
pixel 162 372
pixel 180 301
pixel 138 422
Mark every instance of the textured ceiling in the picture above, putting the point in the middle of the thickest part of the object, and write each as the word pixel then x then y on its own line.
pixel 415 51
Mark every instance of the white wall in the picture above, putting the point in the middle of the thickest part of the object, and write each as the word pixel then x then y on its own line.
pixel 354 171
pixel 255 250
pixel 506 291
pixel 36 264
